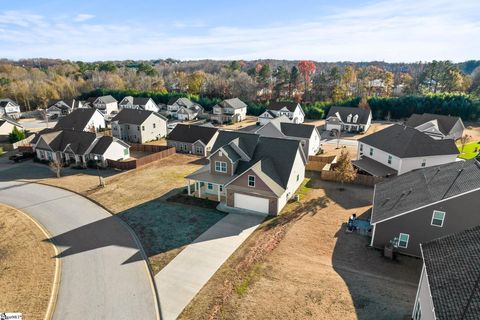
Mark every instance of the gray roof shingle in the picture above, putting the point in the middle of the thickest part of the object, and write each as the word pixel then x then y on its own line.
pixel 278 105
pixel 453 268
pixel 343 112
pixel 407 142
pixel 134 116
pixel 77 120
pixel 422 187
pixel 191 133
pixel 445 123
pixel 234 103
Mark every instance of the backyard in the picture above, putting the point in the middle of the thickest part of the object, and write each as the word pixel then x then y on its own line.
pixel 304 259
pixel 26 266
pixel 469 151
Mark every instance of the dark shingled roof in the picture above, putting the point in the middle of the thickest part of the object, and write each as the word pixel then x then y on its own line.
pixel 453 268
pixel 141 101
pixel 78 141
pixel 445 123
pixel 234 103
pixel 298 130
pixel 107 99
pixel 363 114
pixel 77 120
pixel 275 156
pixel 407 142
pixel 422 187
pixel 278 105
pixel 134 116
pixel 102 144
pixel 5 101
pixel 192 133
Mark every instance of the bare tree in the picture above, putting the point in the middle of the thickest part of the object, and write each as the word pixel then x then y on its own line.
pixel 464 140
pixel 338 135
pixel 56 167
pixel 344 168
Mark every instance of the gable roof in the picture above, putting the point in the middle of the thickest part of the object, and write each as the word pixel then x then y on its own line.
pixel 452 264
pixel 140 101
pixel 422 187
pixel 278 105
pixel 445 123
pixel 60 104
pixel 78 141
pixel 4 120
pixel 191 133
pixel 106 99
pixel 407 142
pixel 76 120
pixel 182 101
pixel 234 103
pixel 343 112
pixel 134 116
pixel 274 157
pixel 5 101
pixel 298 130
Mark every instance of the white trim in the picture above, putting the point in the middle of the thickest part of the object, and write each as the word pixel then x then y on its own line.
pixel 433 216
pixel 408 240
pixel 424 206
pixel 428 283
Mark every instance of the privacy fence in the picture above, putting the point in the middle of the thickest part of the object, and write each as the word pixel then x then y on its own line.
pixel 157 153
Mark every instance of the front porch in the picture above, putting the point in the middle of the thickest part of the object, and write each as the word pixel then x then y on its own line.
pixel 206 190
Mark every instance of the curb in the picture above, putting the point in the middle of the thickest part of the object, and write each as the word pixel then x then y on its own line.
pixel 135 238
pixel 58 265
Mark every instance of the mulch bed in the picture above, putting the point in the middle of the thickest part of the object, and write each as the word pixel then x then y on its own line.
pixel 192 201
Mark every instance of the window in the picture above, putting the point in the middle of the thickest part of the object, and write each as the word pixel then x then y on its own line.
pixel 424 162
pixel 389 159
pixel 220 166
pixel 418 311
pixel 403 240
pixel 298 177
pixel 437 218
pixel 361 147
pixel 138 128
pixel 349 118
pixel 371 151
pixel 143 128
pixel 125 151
pixel 355 118
pixel 210 186
pixel 199 150
pixel 221 188
pixel 154 125
pixel 251 181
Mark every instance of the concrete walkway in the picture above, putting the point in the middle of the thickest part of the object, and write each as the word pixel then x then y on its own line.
pixel 103 275
pixel 185 275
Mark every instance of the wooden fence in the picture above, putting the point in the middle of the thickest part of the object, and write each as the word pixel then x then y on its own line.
pixel 318 163
pixel 361 179
pixel 158 152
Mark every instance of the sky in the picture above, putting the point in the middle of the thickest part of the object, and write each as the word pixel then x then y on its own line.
pixel 392 31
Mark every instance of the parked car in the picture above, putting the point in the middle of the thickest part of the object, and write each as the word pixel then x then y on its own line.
pixel 22 156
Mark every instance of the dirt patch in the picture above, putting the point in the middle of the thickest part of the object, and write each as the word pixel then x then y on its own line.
pixel 26 265
pixel 313 271
pixel 245 123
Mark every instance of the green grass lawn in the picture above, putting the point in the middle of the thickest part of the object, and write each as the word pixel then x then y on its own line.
pixel 470 150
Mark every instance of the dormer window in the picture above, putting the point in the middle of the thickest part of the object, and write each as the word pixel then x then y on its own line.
pixel 349 118
pixel 355 118
pixel 220 166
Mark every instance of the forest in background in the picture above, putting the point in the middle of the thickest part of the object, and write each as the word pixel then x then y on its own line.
pixel 393 90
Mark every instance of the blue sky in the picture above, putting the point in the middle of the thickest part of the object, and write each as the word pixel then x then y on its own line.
pixel 393 31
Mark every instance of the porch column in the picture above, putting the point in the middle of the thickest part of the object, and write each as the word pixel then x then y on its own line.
pixel 199 190
pixel 195 186
pixel 188 186
pixel 218 192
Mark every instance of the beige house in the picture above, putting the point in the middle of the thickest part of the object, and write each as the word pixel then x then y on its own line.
pixel 230 110
pixel 7 125
pixel 139 126
pixel 250 172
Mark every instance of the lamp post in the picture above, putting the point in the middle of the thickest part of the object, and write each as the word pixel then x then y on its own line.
pixel 98 171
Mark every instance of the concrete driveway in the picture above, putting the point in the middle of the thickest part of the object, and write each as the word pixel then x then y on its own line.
pixel 103 274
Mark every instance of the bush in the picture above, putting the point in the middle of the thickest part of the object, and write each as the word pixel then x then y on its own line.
pixel 16 135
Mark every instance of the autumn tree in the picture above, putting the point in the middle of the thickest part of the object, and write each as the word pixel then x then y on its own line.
pixel 195 82
pixel 344 168
pixel 464 140
pixel 363 104
pixel 56 166
pixel 306 69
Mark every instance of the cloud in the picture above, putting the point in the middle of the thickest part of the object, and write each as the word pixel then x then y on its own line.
pixel 396 30
pixel 83 17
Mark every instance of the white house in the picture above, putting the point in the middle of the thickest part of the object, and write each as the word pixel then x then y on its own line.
pixel 230 110
pixel 142 103
pixel 437 126
pixel 9 108
pixel 62 108
pixel 106 104
pixel 82 119
pixel 399 149
pixel 7 125
pixel 183 109
pixel 292 110
pixel 348 119
pixel 139 126
pixel 79 147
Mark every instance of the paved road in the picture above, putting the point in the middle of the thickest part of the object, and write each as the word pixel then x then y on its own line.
pixel 185 275
pixel 103 276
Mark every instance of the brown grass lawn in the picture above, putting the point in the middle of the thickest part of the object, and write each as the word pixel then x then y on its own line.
pixel 235 126
pixel 302 265
pixel 26 265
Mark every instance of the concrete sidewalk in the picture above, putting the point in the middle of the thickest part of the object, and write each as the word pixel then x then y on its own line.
pixel 185 275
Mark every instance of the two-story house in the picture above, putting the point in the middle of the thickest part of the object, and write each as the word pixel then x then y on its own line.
pixel 282 127
pixel 62 108
pixel 250 172
pixel 229 111
pixel 79 147
pixel 398 149
pixel 139 126
pixel 348 119
pixel 82 119
pixel 192 139
pixel 142 103
pixel 426 204
pixel 106 104
pixel 448 286
pixel 183 109
pixel 9 108
pixel 292 110
pixel 437 126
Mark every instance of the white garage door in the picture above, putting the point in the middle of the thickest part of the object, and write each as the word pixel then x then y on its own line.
pixel 251 203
